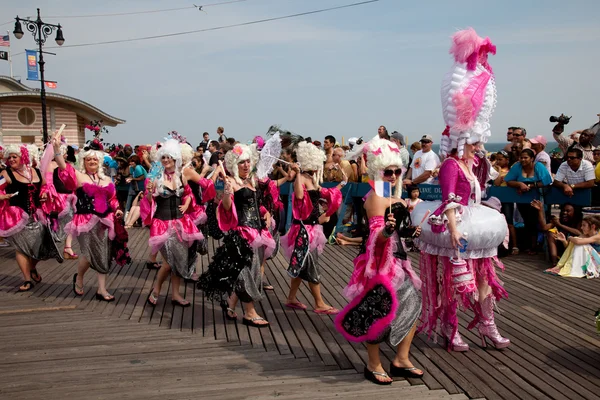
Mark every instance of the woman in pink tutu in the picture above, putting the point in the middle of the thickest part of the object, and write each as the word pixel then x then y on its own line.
pixel 459 244
pixel 59 201
pixel 20 221
pixel 305 240
pixel 385 301
pixel 95 220
pixel 172 232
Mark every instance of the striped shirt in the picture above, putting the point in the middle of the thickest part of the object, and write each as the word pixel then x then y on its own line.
pixel 584 173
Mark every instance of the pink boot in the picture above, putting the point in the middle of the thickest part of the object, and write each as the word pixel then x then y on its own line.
pixel 487 326
pixel 454 342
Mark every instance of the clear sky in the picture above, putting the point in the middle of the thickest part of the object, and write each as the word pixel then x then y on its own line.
pixel 343 72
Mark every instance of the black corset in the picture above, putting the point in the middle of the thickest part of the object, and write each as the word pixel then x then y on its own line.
pixel 85 204
pixel 247 205
pixel 22 199
pixel 167 205
pixel 313 218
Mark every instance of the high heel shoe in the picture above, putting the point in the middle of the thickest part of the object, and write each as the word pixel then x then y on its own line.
pixel 454 343
pixel 69 256
pixel 487 327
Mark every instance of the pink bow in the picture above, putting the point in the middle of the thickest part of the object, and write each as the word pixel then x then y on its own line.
pixel 394 149
pixel 377 152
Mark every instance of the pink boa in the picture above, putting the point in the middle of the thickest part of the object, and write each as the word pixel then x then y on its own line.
pixel 379 260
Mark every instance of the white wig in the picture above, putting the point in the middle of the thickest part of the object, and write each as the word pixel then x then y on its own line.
pixel 153 152
pixel 381 154
pixel 311 158
pixel 28 153
pixel 239 153
pixel 170 148
pixel 187 153
pixel 92 153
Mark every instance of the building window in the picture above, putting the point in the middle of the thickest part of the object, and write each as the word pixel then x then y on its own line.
pixel 26 116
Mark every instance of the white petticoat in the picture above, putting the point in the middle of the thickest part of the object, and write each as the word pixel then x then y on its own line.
pixel 485 230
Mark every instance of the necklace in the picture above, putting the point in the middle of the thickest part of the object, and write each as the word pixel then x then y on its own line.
pixel 169 175
pixel 27 173
pixel 94 177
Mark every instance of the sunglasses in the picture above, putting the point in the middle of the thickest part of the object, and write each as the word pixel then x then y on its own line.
pixel 517 134
pixel 572 158
pixel 388 173
pixel 425 141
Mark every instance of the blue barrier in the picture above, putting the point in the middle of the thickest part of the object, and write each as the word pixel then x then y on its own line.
pixel 550 195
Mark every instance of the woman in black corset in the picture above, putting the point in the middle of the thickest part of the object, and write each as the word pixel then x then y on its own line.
pixel 20 186
pixel 234 274
pixel 164 209
pixel 97 222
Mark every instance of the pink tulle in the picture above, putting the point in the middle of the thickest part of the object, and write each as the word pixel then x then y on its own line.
pixel 316 238
pixel 161 230
pixel 378 327
pixel 257 239
pixel 378 260
pixel 83 223
pixel 68 177
pixel 12 220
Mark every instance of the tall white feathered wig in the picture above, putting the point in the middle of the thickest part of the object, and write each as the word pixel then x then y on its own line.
pixel 381 154
pixel 311 158
pixel 29 153
pixel 468 93
pixel 239 153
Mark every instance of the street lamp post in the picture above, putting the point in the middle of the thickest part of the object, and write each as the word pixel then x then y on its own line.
pixel 40 31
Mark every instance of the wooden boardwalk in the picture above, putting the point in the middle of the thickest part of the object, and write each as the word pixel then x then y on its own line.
pixel 56 345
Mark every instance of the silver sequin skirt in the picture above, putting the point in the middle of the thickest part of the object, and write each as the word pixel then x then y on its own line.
pixel 248 286
pixel 36 241
pixel 180 257
pixel 409 310
pixel 95 247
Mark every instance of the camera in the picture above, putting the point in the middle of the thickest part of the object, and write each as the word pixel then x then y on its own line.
pixel 563 119
pixel 360 141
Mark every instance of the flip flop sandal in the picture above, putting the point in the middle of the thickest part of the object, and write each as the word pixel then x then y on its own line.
pixel 35 276
pixel 107 298
pixel 296 306
pixel 181 303
pixel 372 376
pixel 28 286
pixel 268 287
pixel 329 311
pixel 77 290
pixel 401 372
pixel 152 299
pixel 152 265
pixel 230 313
pixel 252 322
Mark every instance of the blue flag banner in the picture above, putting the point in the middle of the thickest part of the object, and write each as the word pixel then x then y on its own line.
pixel 32 65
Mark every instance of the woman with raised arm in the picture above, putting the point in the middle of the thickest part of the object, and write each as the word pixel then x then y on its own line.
pixel 59 201
pixel 172 232
pixel 235 268
pixel 20 185
pixel 384 291
pixel 97 213
pixel 202 189
pixel 305 240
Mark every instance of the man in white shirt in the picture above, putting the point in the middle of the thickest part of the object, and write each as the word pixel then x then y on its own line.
pixel 538 144
pixel 575 173
pixel 423 164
